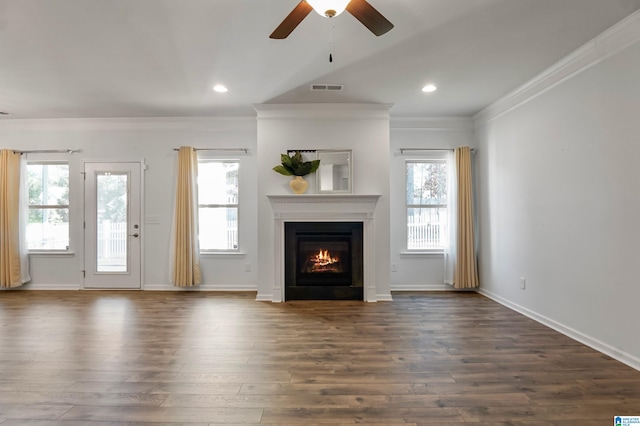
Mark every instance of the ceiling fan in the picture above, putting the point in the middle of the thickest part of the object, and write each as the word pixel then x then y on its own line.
pixel 360 9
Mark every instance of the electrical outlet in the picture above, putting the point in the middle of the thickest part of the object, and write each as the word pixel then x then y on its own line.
pixel 247 267
pixel 394 267
pixel 523 282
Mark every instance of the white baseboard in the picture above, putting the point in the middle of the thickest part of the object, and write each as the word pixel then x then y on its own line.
pixel 146 287
pixel 201 287
pixel 427 287
pixel 261 297
pixel 384 297
pixel 41 286
pixel 625 358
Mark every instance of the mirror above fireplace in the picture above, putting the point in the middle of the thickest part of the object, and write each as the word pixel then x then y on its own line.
pixel 335 174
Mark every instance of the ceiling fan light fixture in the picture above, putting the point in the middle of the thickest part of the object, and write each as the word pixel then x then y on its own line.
pixel 329 8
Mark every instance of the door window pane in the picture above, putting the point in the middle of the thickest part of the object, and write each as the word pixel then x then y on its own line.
pixel 112 211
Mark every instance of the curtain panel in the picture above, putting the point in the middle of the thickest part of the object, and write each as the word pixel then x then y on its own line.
pixel 466 266
pixel 185 250
pixel 14 255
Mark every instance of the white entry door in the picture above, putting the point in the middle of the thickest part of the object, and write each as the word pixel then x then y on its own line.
pixel 113 233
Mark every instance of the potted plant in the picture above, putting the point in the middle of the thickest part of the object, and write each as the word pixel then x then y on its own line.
pixel 296 166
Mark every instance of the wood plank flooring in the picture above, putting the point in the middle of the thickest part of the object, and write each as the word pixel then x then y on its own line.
pixel 196 358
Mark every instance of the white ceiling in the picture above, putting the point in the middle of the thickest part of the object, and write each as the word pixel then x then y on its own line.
pixel 160 58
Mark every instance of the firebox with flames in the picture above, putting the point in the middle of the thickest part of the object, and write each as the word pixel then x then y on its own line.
pixel 323 261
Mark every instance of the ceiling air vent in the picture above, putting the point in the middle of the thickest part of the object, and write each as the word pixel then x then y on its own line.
pixel 327 87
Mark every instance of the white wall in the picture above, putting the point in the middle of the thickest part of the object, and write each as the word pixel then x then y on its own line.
pixel 151 141
pixel 559 175
pixel 418 272
pixel 363 128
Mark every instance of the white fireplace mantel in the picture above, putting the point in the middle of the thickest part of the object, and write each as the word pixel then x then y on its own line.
pixel 325 208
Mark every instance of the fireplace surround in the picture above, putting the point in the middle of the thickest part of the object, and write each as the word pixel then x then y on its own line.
pixel 325 208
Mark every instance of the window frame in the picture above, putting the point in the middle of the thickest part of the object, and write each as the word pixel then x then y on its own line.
pixel 433 158
pixel 53 206
pixel 208 158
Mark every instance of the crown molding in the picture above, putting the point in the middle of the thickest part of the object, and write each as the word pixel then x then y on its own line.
pixel 146 123
pixel 323 111
pixel 431 123
pixel 617 38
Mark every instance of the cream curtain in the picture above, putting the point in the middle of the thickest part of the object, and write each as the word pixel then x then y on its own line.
pixel 460 263
pixel 185 250
pixel 466 267
pixel 14 255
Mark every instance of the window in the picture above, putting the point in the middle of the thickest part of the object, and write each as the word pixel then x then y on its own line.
pixel 426 204
pixel 48 227
pixel 218 204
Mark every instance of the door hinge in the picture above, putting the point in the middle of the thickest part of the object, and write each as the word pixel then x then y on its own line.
pixel 84 275
pixel 84 175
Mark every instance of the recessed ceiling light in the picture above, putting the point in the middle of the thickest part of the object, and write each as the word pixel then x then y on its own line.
pixel 429 88
pixel 220 88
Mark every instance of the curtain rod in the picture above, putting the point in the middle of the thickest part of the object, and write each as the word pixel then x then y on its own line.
pixel 402 150
pixel 245 150
pixel 46 151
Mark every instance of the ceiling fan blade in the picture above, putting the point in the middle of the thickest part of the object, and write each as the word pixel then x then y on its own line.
pixel 292 20
pixel 369 17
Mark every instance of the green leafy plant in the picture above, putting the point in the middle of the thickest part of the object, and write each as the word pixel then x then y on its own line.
pixel 295 165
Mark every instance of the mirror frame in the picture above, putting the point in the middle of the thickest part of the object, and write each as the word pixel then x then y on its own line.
pixel 319 156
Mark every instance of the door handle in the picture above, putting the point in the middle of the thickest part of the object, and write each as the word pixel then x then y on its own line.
pixel 136 235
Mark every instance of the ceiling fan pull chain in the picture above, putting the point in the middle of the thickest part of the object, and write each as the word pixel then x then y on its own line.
pixel 332 44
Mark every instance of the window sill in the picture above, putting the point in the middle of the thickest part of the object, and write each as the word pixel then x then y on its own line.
pixel 52 253
pixel 422 253
pixel 222 253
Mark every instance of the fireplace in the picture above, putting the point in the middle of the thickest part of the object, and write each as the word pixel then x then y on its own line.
pixel 325 208
pixel 323 260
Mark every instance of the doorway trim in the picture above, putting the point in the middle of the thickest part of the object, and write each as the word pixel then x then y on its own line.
pixel 143 167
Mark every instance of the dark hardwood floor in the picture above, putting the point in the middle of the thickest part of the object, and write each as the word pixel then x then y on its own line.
pixel 196 358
